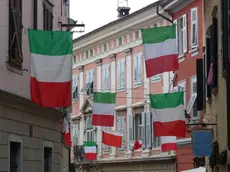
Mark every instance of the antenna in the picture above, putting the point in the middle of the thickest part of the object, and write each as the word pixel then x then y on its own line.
pixel 122 3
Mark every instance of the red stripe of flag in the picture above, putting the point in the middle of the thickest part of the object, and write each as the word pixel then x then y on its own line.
pixel 111 139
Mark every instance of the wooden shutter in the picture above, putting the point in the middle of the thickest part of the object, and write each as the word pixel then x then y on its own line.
pixel 199 73
pixel 214 50
pixel 87 77
pixel 139 69
pixel 148 130
pixel 104 78
pixel 207 67
pixel 118 75
pixel 194 28
pixel 122 73
pixel 135 59
pixel 143 130
pixel 175 22
pixel 107 73
pixel 131 130
pixel 184 33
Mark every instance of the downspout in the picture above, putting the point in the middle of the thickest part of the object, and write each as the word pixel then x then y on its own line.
pixel 35 24
pixel 158 4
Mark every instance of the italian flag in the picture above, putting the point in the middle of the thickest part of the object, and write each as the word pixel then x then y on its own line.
pixel 160 50
pixel 90 150
pixel 51 67
pixel 168 114
pixel 168 143
pixel 112 139
pixel 66 133
pixel 103 109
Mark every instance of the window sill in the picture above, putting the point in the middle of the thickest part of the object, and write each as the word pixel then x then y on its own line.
pixel 156 81
pixel 181 58
pixel 14 69
pixel 75 100
pixel 137 85
pixel 121 90
pixel 194 51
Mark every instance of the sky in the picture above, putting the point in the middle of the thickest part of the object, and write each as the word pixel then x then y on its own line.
pixel 96 13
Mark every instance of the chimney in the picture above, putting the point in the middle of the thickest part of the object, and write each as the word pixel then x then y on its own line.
pixel 123 11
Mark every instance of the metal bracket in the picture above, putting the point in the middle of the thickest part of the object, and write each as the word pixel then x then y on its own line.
pixel 163 15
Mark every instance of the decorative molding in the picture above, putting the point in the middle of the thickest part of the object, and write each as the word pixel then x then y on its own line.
pixel 98 62
pixel 112 57
pixel 81 68
pixel 128 51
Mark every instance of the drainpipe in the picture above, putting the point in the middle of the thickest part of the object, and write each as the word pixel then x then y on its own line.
pixel 164 17
pixel 35 24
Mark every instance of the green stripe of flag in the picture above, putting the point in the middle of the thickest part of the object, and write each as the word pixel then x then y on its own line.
pixel 50 43
pixel 89 144
pixel 107 98
pixel 168 100
pixel 158 34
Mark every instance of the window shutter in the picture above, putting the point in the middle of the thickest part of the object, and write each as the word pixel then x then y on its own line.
pixel 148 130
pixel 194 28
pixel 135 70
pixel 131 132
pixel 118 75
pixel 199 71
pixel 139 68
pixel 107 77
pixel 122 74
pixel 142 130
pixel 175 22
pixel 207 67
pixel 104 78
pixel 87 77
pixel 185 33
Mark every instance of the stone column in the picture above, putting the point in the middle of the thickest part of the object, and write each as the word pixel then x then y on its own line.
pixel 129 79
pixel 81 99
pixel 99 135
pixel 112 58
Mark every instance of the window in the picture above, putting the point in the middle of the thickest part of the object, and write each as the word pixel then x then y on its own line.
pixel 182 88
pixel 137 36
pixel 194 113
pixel 91 53
pixel 120 41
pixel 106 77
pixel 75 88
pixel 181 27
pixel 90 131
pixel 15 156
pixel 47 159
pixel 67 9
pixel 47 15
pixel 139 127
pixel 121 75
pixel 156 78
pixel 88 88
pixel 106 148
pixel 121 128
pixel 75 134
pixel 87 54
pixel 15 33
pixel 105 47
pixel 138 70
pixel 194 28
pixel 74 59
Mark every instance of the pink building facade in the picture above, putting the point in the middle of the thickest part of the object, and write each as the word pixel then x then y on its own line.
pixel 27 131
pixel 110 59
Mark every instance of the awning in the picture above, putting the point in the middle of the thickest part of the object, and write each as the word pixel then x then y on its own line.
pixel 200 169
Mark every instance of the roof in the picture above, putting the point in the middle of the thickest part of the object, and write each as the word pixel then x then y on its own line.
pixel 165 2
pixel 117 21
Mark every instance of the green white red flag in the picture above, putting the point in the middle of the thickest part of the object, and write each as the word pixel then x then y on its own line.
pixel 51 67
pixel 103 109
pixel 90 151
pixel 160 50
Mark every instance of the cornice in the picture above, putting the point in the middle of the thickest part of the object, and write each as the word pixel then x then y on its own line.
pixel 81 68
pixel 112 57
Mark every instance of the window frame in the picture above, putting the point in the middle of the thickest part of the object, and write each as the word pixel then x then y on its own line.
pixel 48 144
pixel 76 91
pixel 121 75
pixel 90 83
pixel 182 83
pixel 15 29
pixel 122 116
pixel 47 15
pixel 106 77
pixel 105 148
pixel 156 78
pixel 192 80
pixel 191 29
pixel 137 34
pixel 75 133
pixel 138 67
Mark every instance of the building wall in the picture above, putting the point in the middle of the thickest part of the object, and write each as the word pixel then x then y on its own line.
pixel 10 74
pixel 28 124
pixel 216 110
